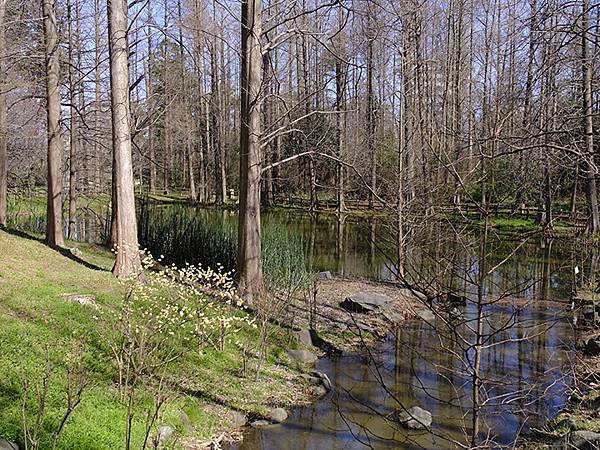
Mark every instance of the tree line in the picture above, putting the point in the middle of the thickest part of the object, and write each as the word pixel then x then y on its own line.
pixel 405 105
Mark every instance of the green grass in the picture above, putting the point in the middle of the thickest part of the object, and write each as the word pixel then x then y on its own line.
pixel 38 320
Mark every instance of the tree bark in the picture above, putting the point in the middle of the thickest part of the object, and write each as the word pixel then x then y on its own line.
pixel 249 262
pixel 73 135
pixel 128 262
pixel 54 235
pixel 3 114
pixel 593 226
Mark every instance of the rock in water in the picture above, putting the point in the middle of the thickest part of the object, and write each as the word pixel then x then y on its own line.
pixel 260 423
pixel 581 440
pixel 303 357
pixel 415 418
pixel 278 415
pixel 365 302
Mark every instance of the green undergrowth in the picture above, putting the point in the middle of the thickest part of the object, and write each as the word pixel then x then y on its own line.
pixel 41 328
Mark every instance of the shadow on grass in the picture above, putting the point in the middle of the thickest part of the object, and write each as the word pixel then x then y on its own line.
pixel 66 252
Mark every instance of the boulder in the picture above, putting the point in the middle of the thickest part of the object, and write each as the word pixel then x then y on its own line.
pixel 415 418
pixel 580 440
pixel 326 275
pixel 304 337
pixel 7 445
pixel 426 315
pixel 239 419
pixel 365 302
pixel 303 357
pixel 278 415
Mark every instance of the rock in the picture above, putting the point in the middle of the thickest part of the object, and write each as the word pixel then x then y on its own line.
pixel 278 415
pixel 365 302
pixel 7 445
pixel 426 315
pixel 165 433
pixel 323 378
pixel 239 419
pixel 311 379
pixel 581 440
pixel 394 317
pixel 260 423
pixel 415 418
pixel 326 275
pixel 303 357
pixel 303 336
pixel 458 300
pixel 412 293
pixel 76 252
pixel 319 390
pixel 591 346
pixel 455 314
pixel 82 299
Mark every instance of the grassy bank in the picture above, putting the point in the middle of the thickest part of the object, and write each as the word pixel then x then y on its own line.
pixel 42 328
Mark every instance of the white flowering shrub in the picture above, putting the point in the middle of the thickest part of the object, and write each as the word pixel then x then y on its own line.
pixel 172 311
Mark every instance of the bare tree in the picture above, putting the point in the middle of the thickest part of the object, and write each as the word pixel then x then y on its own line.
pixel 249 262
pixel 3 123
pixel 54 234
pixel 128 262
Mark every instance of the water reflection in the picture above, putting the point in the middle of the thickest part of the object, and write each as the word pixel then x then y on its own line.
pixel 523 380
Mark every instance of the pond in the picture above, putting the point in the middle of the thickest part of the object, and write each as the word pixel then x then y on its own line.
pixel 527 341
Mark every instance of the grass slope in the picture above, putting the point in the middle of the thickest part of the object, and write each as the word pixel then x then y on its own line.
pixel 37 320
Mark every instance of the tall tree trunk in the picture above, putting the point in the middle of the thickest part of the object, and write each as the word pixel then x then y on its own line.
pixel 341 72
pixel 3 113
pixel 128 262
pixel 249 262
pixel 593 226
pixel 150 103
pixel 73 135
pixel 54 235
pixel 97 102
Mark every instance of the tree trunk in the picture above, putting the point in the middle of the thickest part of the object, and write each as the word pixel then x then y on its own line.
pixel 249 262
pixel 54 235
pixel 150 102
pixel 593 226
pixel 3 113
pixel 73 151
pixel 127 263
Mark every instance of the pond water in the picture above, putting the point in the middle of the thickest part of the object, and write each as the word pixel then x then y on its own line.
pixel 525 350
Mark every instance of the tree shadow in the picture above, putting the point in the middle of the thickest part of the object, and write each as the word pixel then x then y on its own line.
pixel 64 251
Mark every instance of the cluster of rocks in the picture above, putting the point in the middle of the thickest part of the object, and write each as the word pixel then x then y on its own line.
pixel 276 416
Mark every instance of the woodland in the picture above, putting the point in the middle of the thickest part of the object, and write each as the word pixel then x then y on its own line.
pixel 190 188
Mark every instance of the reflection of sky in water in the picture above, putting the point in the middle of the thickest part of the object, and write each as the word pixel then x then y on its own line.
pixel 409 370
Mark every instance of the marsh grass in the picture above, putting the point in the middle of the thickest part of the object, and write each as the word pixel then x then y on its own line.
pixel 184 234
